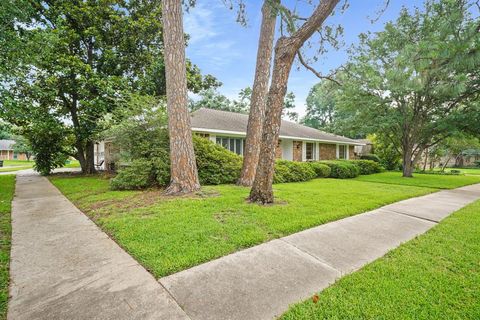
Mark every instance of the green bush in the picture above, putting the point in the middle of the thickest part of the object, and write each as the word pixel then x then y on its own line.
pixel 367 166
pixel 370 156
pixel 291 171
pixel 342 169
pixel 321 169
pixel 216 165
pixel 138 175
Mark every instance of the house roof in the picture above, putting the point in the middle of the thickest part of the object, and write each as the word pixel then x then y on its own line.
pixel 217 121
pixel 6 144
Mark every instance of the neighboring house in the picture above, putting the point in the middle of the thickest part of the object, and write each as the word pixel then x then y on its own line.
pixel 297 142
pixel 365 148
pixel 7 153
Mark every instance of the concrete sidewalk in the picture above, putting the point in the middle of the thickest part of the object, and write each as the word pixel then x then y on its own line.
pixel 261 282
pixel 64 267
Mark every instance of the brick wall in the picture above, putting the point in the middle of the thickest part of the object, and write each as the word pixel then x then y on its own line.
pixel 351 152
pixel 328 151
pixel 278 150
pixel 297 150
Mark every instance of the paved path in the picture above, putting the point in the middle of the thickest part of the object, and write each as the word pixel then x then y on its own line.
pixel 64 267
pixel 261 282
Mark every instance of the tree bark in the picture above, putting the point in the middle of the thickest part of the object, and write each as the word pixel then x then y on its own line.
pixel 407 164
pixel 90 158
pixel 183 168
pixel 285 50
pixel 259 96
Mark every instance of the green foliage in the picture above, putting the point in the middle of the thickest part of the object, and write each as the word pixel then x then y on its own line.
pixel 139 174
pixel 22 145
pixel 416 82
pixel 342 169
pixel 88 57
pixel 389 155
pixel 215 164
pixel 142 138
pixel 371 156
pixel 367 166
pixel 292 171
pixel 5 130
pixel 321 170
pixel 48 142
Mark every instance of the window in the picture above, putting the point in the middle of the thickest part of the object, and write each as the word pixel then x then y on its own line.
pixel 310 151
pixel 233 144
pixel 342 151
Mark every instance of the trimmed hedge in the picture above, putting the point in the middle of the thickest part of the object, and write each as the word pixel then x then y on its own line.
pixel 321 170
pixel 291 171
pixel 215 164
pixel 342 169
pixel 367 166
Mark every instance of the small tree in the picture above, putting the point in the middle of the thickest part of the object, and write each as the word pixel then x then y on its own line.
pixel 22 145
pixel 417 81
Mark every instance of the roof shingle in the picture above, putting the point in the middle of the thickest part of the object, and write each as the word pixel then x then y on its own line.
pixel 211 119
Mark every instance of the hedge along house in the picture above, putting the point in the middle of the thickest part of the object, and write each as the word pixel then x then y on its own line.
pixel 296 142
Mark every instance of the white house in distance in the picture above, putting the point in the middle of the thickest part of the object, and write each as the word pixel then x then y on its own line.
pixel 297 142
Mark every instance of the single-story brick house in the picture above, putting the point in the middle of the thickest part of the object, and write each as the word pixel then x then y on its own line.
pixel 7 152
pixel 297 142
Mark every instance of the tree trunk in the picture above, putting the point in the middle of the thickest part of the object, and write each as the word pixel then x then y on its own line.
pixel 183 168
pixel 259 96
pixel 426 160
pixel 407 163
pixel 285 50
pixel 90 158
pixel 262 191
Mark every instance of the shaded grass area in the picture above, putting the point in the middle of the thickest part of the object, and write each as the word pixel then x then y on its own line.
pixel 421 180
pixel 7 189
pixel 435 276
pixel 171 234
pixel 20 163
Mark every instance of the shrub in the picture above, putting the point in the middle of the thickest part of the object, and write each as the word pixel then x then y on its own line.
pixel 138 175
pixel 370 156
pixel 342 169
pixel 321 169
pixel 291 171
pixel 216 165
pixel 477 163
pixel 367 166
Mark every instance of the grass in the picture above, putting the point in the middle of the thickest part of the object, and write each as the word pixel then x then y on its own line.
pixel 421 180
pixel 435 276
pixel 474 171
pixel 16 163
pixel 7 188
pixel 168 235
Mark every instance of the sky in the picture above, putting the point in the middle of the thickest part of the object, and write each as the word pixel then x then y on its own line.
pixel 224 48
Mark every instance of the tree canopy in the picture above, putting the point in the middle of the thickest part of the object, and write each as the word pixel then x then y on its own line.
pixel 418 81
pixel 79 60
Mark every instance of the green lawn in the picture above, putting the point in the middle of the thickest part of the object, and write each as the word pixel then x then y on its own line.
pixel 435 276
pixel 475 171
pixel 7 188
pixel 17 165
pixel 421 180
pixel 168 235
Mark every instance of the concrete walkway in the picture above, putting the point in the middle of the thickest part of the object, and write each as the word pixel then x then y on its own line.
pixel 261 282
pixel 64 267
